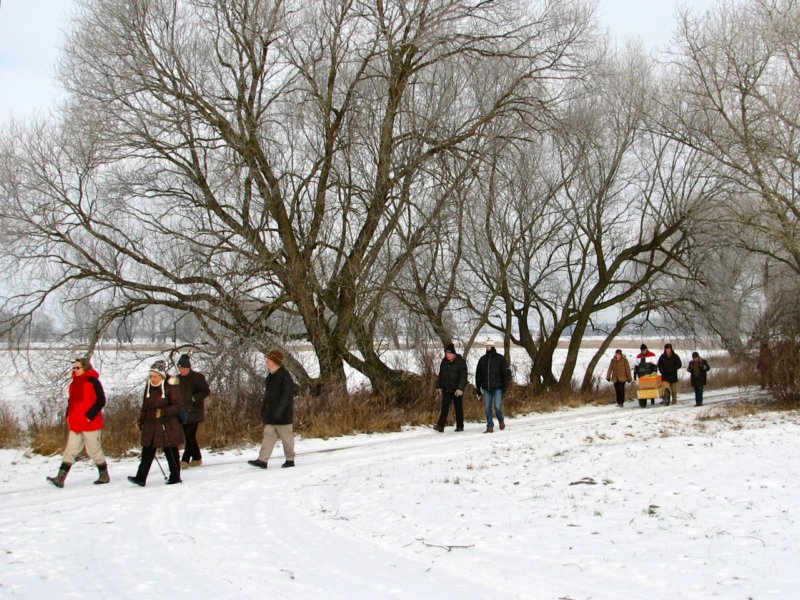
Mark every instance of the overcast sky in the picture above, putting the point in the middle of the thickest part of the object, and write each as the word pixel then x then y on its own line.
pixel 31 32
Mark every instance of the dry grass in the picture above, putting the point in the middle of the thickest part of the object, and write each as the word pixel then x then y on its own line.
pixel 233 413
pixel 120 416
pixel 11 431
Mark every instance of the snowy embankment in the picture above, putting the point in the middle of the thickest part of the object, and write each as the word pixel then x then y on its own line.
pixel 597 502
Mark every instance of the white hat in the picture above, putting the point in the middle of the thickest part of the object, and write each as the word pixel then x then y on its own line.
pixel 490 342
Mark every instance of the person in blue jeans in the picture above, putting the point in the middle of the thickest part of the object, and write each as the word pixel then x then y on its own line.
pixel 492 378
pixel 698 367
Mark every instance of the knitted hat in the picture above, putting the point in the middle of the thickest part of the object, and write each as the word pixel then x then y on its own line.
pixel 159 367
pixel 489 342
pixel 276 357
pixel 450 348
pixel 184 361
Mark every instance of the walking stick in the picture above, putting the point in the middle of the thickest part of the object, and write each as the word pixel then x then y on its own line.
pixel 164 429
pixel 162 468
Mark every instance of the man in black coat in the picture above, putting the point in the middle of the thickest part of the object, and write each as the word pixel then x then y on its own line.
pixel 277 412
pixel 194 391
pixel 450 387
pixel 492 378
pixel 668 365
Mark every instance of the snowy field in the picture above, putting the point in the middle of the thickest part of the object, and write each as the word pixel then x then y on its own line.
pixel 596 502
pixel 43 373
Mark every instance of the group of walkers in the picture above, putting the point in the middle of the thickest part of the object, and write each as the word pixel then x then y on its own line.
pixel 171 411
pixel 173 407
pixel 668 365
pixel 492 378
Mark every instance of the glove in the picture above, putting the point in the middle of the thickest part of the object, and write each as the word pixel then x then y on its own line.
pixel 458 393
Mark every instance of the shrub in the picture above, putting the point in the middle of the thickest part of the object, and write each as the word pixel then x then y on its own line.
pixel 11 431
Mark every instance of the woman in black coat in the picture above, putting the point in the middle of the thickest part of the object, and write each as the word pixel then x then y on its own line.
pixel 160 424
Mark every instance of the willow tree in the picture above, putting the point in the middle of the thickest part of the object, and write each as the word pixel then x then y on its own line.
pixel 265 164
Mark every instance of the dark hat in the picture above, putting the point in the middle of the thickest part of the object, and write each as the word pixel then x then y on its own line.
pixel 642 347
pixel 450 348
pixel 159 367
pixel 695 355
pixel 618 351
pixel 276 357
pixel 184 361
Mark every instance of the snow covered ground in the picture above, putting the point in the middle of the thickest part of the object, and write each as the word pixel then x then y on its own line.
pixel 596 502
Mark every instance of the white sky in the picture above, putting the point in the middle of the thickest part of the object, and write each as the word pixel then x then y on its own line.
pixel 31 32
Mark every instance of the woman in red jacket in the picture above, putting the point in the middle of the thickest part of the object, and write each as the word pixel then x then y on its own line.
pixel 85 420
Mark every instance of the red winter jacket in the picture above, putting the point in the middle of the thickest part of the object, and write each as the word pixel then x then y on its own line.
pixel 86 399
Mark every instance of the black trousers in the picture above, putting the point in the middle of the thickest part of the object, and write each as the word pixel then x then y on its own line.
pixel 192 449
pixel 449 398
pixel 619 388
pixel 148 454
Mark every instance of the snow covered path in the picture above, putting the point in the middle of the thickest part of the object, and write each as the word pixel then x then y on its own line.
pixel 597 502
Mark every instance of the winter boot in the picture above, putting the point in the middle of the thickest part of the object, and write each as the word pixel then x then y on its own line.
pixel 489 430
pixel 58 480
pixel 287 464
pixel 103 470
pixel 136 480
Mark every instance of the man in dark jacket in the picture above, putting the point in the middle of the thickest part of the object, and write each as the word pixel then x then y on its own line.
pixel 277 412
pixel 492 378
pixel 194 391
pixel 668 365
pixel 450 387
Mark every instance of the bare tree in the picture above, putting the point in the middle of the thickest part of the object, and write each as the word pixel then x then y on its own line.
pixel 737 82
pixel 252 162
pixel 590 218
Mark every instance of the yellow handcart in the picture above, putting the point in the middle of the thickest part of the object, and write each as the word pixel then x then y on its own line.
pixel 650 388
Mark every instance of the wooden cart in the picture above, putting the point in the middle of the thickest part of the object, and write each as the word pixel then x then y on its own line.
pixel 650 388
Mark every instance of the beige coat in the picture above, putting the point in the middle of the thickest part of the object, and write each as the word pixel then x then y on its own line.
pixel 619 370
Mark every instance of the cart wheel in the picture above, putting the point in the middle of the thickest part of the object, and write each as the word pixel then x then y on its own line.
pixel 643 403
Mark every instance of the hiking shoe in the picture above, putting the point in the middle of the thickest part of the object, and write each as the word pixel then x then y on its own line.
pixel 133 479
pixel 287 464
pixel 439 429
pixel 257 463
pixel 185 465
pixel 459 429
pixel 196 463
pixel 502 425
pixel 489 430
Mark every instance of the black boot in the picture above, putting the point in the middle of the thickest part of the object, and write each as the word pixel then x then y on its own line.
pixel 102 469
pixel 136 480
pixel 58 480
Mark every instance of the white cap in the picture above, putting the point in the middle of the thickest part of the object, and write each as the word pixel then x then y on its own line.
pixel 490 342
